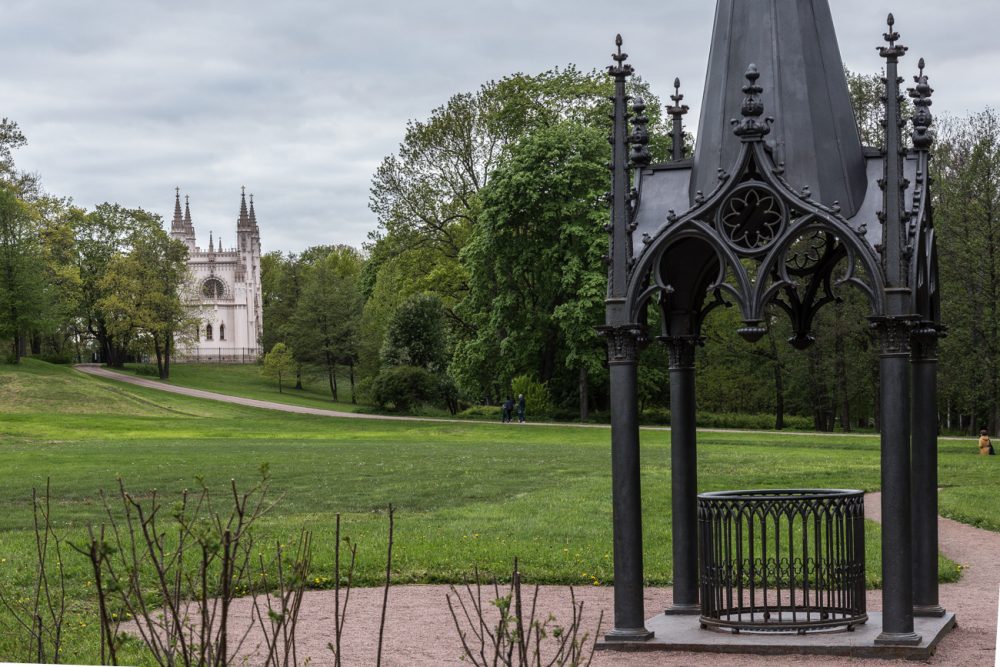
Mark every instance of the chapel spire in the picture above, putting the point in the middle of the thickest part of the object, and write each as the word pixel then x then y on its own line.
pixel 244 220
pixel 177 224
pixel 253 214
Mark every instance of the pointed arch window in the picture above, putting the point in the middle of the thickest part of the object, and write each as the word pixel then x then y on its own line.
pixel 222 332
pixel 208 332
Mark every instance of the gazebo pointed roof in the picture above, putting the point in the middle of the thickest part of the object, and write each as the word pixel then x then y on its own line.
pixel 815 134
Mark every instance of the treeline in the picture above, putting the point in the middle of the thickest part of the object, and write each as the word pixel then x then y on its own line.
pixel 490 221
pixel 485 278
pixel 78 284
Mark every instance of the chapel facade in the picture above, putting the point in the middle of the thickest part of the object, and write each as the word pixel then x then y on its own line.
pixel 224 290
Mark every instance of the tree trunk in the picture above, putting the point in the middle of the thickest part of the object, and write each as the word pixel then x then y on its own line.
pixel 298 377
pixel 354 397
pixel 584 398
pixel 159 355
pixel 334 372
pixel 330 372
pixel 166 355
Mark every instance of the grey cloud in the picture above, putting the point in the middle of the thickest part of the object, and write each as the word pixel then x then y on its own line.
pixel 124 99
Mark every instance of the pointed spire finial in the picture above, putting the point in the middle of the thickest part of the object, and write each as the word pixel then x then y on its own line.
pixel 619 68
pixel 894 50
pixel 175 225
pixel 211 242
pixel 244 219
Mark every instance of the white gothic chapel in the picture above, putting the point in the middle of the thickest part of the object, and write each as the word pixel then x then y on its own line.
pixel 225 290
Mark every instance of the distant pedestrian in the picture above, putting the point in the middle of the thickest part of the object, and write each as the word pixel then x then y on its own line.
pixel 985 446
pixel 520 408
pixel 508 410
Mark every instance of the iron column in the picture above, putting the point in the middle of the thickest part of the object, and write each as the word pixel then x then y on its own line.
pixel 684 474
pixel 925 489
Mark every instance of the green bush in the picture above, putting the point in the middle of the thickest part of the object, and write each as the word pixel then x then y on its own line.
pixel 147 369
pixel 57 357
pixel 400 388
pixel 483 412
pixel 536 395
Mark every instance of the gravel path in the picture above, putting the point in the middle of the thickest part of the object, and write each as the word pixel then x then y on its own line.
pixel 420 632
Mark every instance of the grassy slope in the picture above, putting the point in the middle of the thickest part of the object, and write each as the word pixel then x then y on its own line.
pixel 247 380
pixel 467 494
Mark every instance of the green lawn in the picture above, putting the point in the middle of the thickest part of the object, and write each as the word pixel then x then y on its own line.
pixel 467 494
pixel 247 380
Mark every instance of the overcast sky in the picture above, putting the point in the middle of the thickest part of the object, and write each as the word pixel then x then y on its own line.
pixel 121 100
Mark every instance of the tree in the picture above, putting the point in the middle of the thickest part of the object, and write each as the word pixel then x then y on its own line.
pixel 537 283
pixel 416 335
pixel 141 298
pixel 324 327
pixel 22 278
pixel 967 217
pixel 279 363
pixel 103 237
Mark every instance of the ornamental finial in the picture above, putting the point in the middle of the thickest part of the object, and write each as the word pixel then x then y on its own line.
pixel 752 109
pixel 676 112
pixel 923 136
pixel 640 156
pixel 894 50
pixel 619 68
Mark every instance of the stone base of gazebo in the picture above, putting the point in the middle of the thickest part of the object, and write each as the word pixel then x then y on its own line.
pixel 683 633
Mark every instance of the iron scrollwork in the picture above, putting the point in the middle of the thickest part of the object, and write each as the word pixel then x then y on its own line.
pixel 752 218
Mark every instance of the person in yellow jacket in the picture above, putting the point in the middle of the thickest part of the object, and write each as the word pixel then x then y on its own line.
pixel 985 446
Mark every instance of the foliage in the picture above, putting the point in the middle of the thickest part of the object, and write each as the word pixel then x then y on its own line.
pixel 967 207
pixel 404 387
pixel 415 336
pixel 536 395
pixel 537 284
pixel 325 322
pixel 23 289
pixel 279 363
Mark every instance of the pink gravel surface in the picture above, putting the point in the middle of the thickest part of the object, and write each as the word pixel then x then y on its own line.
pixel 420 632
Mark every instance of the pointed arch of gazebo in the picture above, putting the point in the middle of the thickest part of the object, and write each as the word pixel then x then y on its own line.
pixel 758 238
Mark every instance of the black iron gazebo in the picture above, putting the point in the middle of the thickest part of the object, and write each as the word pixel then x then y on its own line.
pixel 780 205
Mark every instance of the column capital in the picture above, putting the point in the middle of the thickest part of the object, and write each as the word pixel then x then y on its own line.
pixel 682 349
pixel 624 342
pixel 893 333
pixel 924 339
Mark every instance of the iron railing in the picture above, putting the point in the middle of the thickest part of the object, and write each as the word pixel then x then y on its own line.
pixel 782 561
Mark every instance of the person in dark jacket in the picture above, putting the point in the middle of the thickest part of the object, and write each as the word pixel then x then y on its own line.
pixel 508 410
pixel 520 408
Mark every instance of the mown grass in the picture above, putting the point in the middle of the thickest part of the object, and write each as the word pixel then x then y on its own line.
pixel 467 494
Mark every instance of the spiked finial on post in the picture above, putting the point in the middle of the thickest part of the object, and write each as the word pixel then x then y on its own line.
pixel 750 128
pixel 620 251
pixel 677 112
pixel 923 135
pixel 894 218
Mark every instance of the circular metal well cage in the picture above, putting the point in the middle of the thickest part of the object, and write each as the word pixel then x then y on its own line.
pixel 782 560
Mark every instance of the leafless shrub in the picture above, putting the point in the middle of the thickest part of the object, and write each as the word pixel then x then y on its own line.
pixel 39 616
pixel 513 638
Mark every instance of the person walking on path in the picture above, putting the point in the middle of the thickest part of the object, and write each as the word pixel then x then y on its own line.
pixel 985 446
pixel 520 408
pixel 508 410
